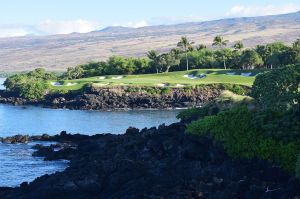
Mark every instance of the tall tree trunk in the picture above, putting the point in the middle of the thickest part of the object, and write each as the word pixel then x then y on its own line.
pixel 224 62
pixel 187 61
pixel 168 68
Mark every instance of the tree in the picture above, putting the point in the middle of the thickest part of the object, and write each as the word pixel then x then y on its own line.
pixel 250 58
pixel 220 42
pixel 238 46
pixel 273 51
pixel 74 73
pixel 185 45
pixel 33 90
pixel 296 49
pixel 223 55
pixel 278 89
pixel 200 47
pixel 167 60
pixel 155 59
pixel 296 44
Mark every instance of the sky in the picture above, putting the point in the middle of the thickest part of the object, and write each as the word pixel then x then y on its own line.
pixel 47 17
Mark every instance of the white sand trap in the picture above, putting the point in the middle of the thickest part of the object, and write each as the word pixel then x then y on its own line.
pixel 119 77
pixel 161 85
pixel 101 77
pixel 71 84
pixel 179 85
pixel 100 84
pixel 233 73
pixel 246 74
pixel 191 76
pixel 56 84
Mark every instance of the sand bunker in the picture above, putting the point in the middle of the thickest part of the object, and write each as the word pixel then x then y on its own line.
pixel 119 77
pixel 101 77
pixel 246 74
pixel 190 76
pixel 202 75
pixel 232 73
pixel 161 85
pixel 179 85
pixel 56 84
pixel 101 84
pixel 71 84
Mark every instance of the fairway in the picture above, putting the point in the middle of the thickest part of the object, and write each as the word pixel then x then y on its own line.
pixel 171 79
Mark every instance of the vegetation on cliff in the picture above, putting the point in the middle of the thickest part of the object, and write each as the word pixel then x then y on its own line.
pixel 269 130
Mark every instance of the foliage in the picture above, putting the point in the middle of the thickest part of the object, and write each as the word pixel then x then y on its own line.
pixel 32 85
pixel 234 129
pixel 225 101
pixel 74 73
pixel 279 125
pixel 278 89
pixel 186 46
pixel 251 59
pixel 33 90
pixel 186 56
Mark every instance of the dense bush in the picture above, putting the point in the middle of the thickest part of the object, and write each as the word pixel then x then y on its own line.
pixel 234 128
pixel 279 125
pixel 33 90
pixel 32 85
pixel 278 89
pixel 225 101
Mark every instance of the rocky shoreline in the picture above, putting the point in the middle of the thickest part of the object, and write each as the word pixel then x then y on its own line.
pixel 162 162
pixel 121 98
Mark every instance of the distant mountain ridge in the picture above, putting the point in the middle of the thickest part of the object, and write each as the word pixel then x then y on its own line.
pixel 57 52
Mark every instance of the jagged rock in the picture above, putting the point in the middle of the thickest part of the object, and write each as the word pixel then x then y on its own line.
pixel 154 163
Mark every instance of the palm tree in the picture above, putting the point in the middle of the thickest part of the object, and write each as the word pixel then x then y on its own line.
pixel 220 42
pixel 185 45
pixel 238 46
pixel 200 47
pixel 154 56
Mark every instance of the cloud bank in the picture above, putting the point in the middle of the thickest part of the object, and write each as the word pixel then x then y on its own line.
pixel 49 27
pixel 250 11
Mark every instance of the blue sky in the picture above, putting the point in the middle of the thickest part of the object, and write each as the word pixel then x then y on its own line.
pixel 43 17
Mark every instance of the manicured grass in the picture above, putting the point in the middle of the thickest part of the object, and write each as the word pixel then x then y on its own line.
pixel 172 79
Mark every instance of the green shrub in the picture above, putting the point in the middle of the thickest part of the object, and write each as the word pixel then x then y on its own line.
pixel 236 89
pixel 225 101
pixel 33 90
pixel 166 91
pixel 298 167
pixel 279 125
pixel 234 129
pixel 192 114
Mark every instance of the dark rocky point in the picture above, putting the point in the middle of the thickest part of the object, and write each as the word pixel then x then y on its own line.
pixel 152 163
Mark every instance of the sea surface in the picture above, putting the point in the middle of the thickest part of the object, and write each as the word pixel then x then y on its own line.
pixel 16 162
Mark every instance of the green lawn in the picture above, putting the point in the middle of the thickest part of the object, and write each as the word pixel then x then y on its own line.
pixel 172 79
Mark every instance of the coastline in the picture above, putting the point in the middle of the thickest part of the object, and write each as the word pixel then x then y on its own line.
pixel 151 163
pixel 121 98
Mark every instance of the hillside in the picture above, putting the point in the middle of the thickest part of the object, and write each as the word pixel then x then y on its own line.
pixel 58 52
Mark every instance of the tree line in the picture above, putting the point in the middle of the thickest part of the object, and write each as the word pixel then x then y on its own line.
pixel 186 55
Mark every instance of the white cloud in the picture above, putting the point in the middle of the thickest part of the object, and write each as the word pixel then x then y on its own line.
pixel 248 11
pixel 137 24
pixel 12 32
pixel 50 27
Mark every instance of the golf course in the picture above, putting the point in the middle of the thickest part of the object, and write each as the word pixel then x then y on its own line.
pixel 171 79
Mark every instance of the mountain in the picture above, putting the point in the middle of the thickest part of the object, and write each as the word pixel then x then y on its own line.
pixel 57 52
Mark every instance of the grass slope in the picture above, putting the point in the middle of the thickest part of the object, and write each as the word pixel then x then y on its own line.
pixel 172 79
